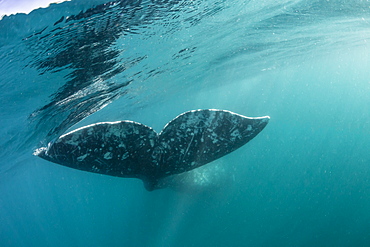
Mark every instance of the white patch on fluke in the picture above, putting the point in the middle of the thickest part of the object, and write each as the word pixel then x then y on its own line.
pixel 108 155
pixel 82 157
pixel 125 156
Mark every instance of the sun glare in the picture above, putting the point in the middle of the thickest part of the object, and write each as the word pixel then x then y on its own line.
pixel 10 7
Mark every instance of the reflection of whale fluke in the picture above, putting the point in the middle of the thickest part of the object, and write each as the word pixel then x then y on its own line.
pixel 134 150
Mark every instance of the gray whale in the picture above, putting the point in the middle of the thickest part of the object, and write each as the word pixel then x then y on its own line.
pixel 134 150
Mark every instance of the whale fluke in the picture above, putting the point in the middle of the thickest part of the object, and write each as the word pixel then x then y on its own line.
pixel 134 150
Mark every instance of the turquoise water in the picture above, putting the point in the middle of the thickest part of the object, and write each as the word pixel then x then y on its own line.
pixel 303 181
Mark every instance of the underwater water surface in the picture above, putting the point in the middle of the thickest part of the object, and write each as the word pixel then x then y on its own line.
pixel 303 181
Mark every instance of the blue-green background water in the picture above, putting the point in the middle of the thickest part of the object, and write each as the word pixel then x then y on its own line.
pixel 304 181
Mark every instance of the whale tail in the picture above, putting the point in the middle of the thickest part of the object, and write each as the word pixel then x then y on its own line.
pixel 131 149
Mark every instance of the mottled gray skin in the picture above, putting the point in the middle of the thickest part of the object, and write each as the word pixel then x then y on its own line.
pixel 130 149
